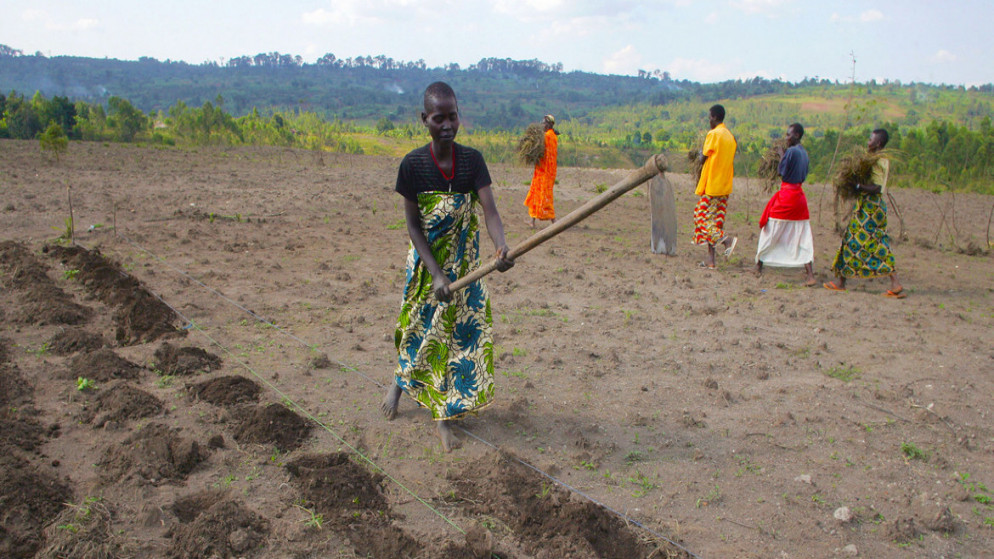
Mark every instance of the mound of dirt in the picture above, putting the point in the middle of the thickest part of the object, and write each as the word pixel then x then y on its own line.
pixel 143 319
pixel 188 508
pixel 182 361
pixel 4 348
pixel 272 425
pixel 40 300
pixel 29 499
pixel 101 365
pixel 226 391
pixel 20 429
pixel 121 402
pixel 336 486
pixel 14 389
pixel 140 317
pixel 155 454
pixel 83 530
pixel 550 521
pixel 74 340
pixel 18 424
pixel 350 498
pixel 226 529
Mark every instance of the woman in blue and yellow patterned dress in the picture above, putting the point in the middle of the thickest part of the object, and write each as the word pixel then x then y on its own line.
pixel 444 342
pixel 865 250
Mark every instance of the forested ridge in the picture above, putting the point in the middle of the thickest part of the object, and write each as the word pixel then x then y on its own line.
pixel 942 133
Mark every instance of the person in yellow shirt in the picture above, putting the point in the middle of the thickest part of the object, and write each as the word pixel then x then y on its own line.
pixel 714 187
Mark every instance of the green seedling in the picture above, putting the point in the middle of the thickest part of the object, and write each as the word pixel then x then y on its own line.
pixel 41 351
pixel 83 384
pixel 845 374
pixel 912 452
pixel 313 520
pixel 70 274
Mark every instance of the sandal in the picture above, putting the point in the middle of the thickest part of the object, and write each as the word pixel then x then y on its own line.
pixel 832 287
pixel 899 294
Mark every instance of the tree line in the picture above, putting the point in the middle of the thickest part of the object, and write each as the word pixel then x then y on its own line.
pixel 938 154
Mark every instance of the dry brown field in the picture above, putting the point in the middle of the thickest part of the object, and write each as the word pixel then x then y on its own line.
pixel 200 375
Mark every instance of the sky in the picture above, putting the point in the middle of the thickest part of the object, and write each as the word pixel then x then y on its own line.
pixel 707 41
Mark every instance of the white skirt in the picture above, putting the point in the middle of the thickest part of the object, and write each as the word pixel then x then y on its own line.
pixel 785 243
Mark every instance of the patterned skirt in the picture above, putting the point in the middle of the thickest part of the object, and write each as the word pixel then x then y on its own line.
pixel 445 349
pixel 709 220
pixel 865 250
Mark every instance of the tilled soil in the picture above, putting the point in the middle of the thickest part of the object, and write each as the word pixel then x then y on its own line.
pixel 200 374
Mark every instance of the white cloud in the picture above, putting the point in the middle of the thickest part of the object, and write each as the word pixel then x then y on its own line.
pixel 83 24
pixel 942 55
pixel 768 7
pixel 699 70
pixel 50 24
pixel 589 25
pixel 870 16
pixel 553 11
pixel 711 18
pixel 34 15
pixel 624 61
pixel 518 8
pixel 354 12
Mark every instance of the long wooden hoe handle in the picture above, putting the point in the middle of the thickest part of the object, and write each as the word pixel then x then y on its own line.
pixel 654 166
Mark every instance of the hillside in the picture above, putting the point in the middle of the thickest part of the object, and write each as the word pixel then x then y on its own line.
pixel 370 105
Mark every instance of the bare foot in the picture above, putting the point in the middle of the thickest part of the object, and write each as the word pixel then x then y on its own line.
pixel 810 282
pixel 390 402
pixel 449 440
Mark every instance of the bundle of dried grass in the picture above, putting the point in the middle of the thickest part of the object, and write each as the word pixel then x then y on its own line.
pixel 769 165
pixel 694 157
pixel 696 163
pixel 856 168
pixel 531 146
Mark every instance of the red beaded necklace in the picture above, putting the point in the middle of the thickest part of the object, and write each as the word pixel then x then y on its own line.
pixel 448 178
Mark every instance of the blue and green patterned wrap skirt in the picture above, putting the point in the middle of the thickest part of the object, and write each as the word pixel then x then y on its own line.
pixel 445 349
pixel 865 250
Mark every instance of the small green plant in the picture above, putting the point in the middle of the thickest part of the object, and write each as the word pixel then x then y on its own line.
pixel 313 519
pixel 53 140
pixel 83 384
pixel 633 457
pixel 546 489
pixel 745 465
pixel 912 452
pixel 399 224
pixel 65 232
pixel 70 274
pixel 41 351
pixel 843 373
pixel 600 187
pixel 713 497
pixel 644 484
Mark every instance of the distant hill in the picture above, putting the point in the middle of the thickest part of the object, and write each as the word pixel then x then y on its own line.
pixel 944 131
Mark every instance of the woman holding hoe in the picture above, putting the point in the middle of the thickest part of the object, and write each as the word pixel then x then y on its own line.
pixel 444 340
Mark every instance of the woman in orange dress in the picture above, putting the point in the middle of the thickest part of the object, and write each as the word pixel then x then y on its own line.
pixel 539 199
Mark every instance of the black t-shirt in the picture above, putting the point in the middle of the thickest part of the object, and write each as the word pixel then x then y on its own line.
pixel 418 173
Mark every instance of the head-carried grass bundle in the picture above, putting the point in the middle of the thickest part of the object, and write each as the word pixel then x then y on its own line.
pixel 531 146
pixel 855 168
pixel 769 165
